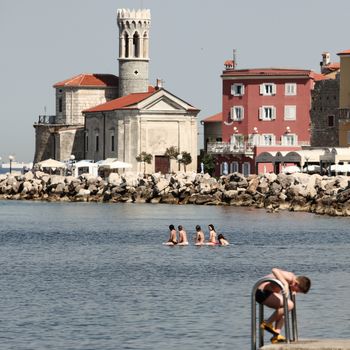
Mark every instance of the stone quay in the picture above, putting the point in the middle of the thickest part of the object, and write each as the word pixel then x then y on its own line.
pixel 297 192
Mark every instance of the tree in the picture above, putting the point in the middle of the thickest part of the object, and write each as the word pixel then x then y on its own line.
pixel 209 164
pixel 172 152
pixel 144 158
pixel 185 159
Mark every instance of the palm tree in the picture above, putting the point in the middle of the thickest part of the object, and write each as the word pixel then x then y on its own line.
pixel 186 159
pixel 144 158
pixel 172 152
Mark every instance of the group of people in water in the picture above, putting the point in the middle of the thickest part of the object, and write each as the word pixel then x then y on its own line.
pixel 180 238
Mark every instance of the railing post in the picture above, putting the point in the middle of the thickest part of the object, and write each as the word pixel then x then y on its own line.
pixel 261 314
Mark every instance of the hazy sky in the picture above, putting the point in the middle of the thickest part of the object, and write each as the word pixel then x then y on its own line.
pixel 46 41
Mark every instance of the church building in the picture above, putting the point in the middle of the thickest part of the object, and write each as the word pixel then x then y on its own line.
pixel 101 116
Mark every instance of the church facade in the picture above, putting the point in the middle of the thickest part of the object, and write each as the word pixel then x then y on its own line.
pixel 101 116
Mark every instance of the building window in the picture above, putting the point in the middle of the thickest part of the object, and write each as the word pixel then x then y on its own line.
pixel 268 89
pixel 234 167
pixel 289 140
pixel 268 139
pixel 60 105
pixel 246 168
pixel 290 112
pixel 86 142
pixel 97 143
pixel 290 89
pixel 237 89
pixel 331 120
pixel 254 139
pixel 267 113
pixel 112 143
pixel 237 113
pixel 237 140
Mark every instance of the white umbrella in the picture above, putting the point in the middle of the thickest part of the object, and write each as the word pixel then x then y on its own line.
pixel 113 163
pixel 51 163
pixel 340 168
pixel 291 169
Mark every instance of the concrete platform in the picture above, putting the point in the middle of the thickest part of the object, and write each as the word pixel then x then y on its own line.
pixel 320 344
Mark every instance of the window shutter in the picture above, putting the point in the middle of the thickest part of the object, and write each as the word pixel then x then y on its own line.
pixel 242 113
pixel 261 113
pixel 232 114
pixel 233 89
pixel 274 89
pixel 295 139
pixel 273 112
pixel 242 89
pixel 273 139
pixel 262 89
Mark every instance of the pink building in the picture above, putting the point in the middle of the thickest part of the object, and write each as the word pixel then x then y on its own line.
pixel 263 110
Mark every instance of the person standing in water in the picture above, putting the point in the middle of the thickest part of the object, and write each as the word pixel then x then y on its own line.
pixel 172 236
pixel 212 235
pixel 199 236
pixel 182 236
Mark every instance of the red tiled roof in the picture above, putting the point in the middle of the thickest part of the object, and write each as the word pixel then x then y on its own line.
pixel 90 80
pixel 346 52
pixel 124 102
pixel 333 66
pixel 214 118
pixel 267 72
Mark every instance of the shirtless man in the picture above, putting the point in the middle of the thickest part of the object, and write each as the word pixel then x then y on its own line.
pixel 199 236
pixel 182 236
pixel 269 294
pixel 172 236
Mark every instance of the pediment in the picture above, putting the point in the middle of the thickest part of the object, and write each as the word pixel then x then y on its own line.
pixel 163 101
pixel 163 104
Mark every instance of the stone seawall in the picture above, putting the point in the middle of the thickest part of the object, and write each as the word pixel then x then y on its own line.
pixel 297 192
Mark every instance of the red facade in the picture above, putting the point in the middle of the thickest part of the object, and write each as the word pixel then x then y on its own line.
pixel 263 110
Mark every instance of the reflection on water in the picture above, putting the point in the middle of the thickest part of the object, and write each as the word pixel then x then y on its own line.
pixel 96 276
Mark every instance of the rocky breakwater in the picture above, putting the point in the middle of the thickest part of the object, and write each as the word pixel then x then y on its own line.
pixel 297 192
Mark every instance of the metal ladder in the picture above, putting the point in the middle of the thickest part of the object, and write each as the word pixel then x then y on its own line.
pixel 261 314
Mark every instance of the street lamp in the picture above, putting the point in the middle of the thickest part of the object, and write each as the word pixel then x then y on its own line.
pixel 11 158
pixel 179 158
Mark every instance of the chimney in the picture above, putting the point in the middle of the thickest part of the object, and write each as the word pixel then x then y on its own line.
pixel 326 60
pixel 159 84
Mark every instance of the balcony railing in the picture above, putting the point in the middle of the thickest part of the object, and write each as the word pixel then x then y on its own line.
pixel 47 119
pixel 246 147
pixel 229 148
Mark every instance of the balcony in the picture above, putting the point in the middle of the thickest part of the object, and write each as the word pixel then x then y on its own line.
pixel 230 148
pixel 47 119
pixel 247 148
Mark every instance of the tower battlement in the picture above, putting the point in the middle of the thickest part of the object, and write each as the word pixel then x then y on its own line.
pixel 125 14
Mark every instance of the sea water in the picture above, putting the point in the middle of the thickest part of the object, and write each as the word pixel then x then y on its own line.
pixel 96 276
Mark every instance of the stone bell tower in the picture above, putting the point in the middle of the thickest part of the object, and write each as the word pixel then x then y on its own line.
pixel 133 50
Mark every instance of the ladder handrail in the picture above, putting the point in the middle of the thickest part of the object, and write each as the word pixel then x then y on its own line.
pixel 286 314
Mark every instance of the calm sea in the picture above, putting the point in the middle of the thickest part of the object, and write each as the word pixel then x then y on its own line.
pixel 96 276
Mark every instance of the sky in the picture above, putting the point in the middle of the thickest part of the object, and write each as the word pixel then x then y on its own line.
pixel 46 41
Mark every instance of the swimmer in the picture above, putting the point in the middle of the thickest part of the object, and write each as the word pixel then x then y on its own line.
pixel 212 235
pixel 172 236
pixel 222 240
pixel 182 236
pixel 199 236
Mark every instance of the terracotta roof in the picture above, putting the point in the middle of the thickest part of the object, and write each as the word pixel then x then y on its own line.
pixel 124 102
pixel 346 52
pixel 90 80
pixel 267 72
pixel 333 66
pixel 214 118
